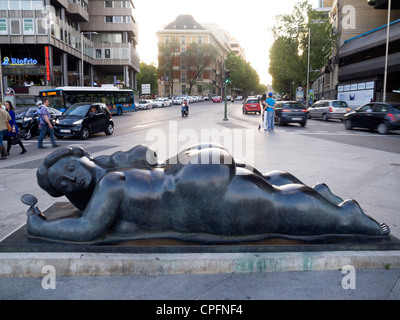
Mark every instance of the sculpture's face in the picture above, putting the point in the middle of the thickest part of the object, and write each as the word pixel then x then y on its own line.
pixel 72 176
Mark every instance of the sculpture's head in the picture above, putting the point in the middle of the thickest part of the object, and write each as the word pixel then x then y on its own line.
pixel 69 172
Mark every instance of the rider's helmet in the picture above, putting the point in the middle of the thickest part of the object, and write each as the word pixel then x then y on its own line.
pixel 39 103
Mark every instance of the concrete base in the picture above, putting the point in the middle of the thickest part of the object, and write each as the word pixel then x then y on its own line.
pixel 100 264
pixel 23 257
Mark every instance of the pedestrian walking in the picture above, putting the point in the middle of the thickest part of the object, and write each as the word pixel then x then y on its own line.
pixel 45 125
pixel 263 113
pixel 12 136
pixel 4 118
pixel 270 108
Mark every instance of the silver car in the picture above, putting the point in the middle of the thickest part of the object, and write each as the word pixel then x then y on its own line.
pixel 328 109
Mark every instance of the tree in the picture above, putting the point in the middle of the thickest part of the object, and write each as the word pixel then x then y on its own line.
pixel 148 75
pixel 244 77
pixel 197 58
pixel 167 59
pixel 289 52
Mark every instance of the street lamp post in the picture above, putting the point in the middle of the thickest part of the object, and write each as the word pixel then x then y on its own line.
pixel 387 52
pixel 308 66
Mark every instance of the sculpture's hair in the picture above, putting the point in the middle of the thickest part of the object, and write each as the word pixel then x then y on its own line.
pixel 43 172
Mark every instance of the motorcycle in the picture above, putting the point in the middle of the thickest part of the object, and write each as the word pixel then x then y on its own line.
pixel 30 127
pixel 185 110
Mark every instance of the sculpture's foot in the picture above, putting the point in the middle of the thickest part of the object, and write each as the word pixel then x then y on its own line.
pixel 324 190
pixel 385 229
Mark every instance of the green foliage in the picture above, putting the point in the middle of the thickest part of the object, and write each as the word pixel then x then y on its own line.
pixel 148 75
pixel 289 52
pixel 243 76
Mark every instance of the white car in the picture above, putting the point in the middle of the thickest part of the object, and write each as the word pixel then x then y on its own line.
pixel 144 105
pixel 177 100
pixel 161 102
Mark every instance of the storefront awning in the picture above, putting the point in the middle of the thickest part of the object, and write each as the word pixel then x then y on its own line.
pixel 371 67
pixel 371 39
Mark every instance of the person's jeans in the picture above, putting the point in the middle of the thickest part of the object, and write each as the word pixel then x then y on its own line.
pixel 43 129
pixel 270 119
pixel 2 135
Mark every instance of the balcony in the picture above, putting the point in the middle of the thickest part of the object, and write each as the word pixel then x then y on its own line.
pixel 116 54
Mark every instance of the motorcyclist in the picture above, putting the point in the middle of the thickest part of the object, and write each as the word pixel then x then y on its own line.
pixel 186 105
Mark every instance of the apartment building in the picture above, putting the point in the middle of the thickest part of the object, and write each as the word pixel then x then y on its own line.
pixel 50 43
pixel 237 48
pixel 355 72
pixel 184 31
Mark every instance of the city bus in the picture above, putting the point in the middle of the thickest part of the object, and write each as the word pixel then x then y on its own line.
pixel 117 100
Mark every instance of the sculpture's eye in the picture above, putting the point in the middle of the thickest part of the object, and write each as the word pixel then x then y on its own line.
pixel 71 167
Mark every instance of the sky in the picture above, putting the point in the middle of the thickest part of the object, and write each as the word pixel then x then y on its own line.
pixel 249 21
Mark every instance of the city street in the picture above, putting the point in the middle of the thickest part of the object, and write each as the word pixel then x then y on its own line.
pixel 355 164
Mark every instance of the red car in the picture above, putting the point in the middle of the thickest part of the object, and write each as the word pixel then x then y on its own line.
pixel 251 105
pixel 217 99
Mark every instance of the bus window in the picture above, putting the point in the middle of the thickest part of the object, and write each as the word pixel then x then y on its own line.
pixel 101 98
pixel 92 97
pixel 109 98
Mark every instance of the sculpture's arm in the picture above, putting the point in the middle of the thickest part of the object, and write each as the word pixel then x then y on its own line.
pixel 95 221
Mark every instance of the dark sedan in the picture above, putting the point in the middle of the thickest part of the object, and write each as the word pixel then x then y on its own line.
pixel 380 116
pixel 83 119
pixel 290 112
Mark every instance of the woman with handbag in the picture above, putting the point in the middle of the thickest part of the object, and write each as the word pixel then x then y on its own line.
pixel 4 128
pixel 12 136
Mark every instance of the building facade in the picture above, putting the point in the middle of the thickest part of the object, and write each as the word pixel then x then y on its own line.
pixel 355 72
pixel 50 43
pixel 176 72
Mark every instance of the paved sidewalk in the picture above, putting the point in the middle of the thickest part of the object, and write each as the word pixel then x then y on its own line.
pixel 369 176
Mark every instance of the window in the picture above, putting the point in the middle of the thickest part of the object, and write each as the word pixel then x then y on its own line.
pixel 98 53
pixel 28 27
pixel 183 49
pixel 109 19
pixel 199 39
pixel 183 76
pixel 3 26
pixel 183 39
pixel 14 5
pixel 117 19
pixel 15 26
pixel 108 4
pixel 107 53
pixel 166 39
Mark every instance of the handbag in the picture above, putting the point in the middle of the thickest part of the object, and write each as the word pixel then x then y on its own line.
pixel 15 140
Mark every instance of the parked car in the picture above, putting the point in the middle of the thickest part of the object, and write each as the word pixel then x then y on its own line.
pixel 380 116
pixel 144 105
pixel 239 98
pixel 290 112
pixel 177 100
pixel 217 99
pixel 328 109
pixel 80 120
pixel 161 102
pixel 251 105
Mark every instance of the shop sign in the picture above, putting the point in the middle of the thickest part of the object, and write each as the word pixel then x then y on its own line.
pixel 47 54
pixel 18 62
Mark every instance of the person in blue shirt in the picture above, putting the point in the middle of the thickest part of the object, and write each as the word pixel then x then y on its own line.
pixel 270 102
pixel 45 125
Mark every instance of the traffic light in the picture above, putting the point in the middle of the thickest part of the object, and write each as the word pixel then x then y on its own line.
pixel 227 76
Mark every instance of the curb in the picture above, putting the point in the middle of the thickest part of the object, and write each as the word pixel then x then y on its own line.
pixel 100 264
